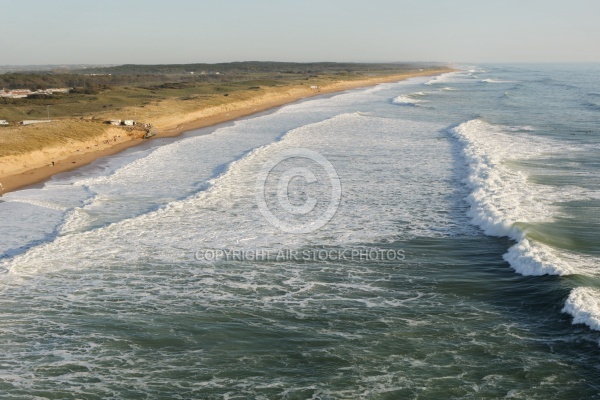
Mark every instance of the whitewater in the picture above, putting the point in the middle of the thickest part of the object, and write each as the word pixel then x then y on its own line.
pixel 448 225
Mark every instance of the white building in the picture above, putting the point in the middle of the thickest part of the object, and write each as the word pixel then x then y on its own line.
pixel 35 121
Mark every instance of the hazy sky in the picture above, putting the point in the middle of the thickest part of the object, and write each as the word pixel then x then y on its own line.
pixel 188 31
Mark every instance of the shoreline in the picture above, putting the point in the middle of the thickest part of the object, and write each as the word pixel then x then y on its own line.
pixel 200 119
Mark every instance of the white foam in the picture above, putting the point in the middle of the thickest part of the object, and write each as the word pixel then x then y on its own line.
pixel 496 203
pixel 495 81
pixel 405 100
pixel 225 214
pixel 535 259
pixel 383 86
pixel 77 220
pixel 476 70
pixel 525 128
pixel 410 99
pixel 439 79
pixel 584 305
pixel 502 198
pixel 41 203
pixel 449 77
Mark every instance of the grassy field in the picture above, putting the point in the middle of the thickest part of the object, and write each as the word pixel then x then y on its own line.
pixel 110 90
pixel 114 99
pixel 14 142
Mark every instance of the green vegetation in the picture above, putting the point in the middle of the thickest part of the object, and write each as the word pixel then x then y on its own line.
pixel 110 89
pixel 252 67
pixel 83 102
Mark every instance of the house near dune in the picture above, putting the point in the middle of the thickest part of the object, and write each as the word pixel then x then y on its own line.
pixel 119 122
pixel 23 93
pixel 34 121
pixel 16 94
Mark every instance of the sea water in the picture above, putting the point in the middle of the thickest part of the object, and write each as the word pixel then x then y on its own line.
pixel 432 238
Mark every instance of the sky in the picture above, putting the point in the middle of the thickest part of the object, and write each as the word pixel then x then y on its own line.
pixel 197 31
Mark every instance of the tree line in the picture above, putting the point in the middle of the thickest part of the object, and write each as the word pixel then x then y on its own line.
pixel 146 75
pixel 250 67
pixel 34 81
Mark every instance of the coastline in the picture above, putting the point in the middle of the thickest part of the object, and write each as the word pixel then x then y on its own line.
pixel 53 161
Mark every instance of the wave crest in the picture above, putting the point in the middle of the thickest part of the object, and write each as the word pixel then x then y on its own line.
pixel 584 305
pixel 406 101
pixel 501 197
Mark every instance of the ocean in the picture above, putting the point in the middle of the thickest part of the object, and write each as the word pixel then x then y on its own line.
pixel 433 238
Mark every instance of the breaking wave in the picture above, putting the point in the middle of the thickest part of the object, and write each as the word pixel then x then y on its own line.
pixel 503 202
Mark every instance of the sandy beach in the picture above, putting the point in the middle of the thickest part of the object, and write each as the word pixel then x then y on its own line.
pixel 21 170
